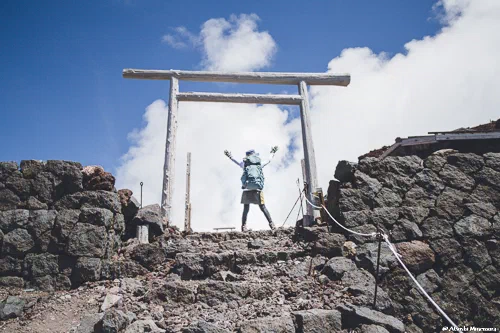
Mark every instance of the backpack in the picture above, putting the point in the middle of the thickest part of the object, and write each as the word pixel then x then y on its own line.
pixel 253 177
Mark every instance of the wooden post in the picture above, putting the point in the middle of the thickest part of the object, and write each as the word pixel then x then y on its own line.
pixel 169 164
pixel 142 233
pixel 187 213
pixel 309 157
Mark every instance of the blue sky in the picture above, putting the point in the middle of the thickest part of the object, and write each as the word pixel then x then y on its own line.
pixel 413 69
pixel 63 96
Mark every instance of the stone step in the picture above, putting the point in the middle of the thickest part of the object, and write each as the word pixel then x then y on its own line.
pixel 215 242
pixel 198 266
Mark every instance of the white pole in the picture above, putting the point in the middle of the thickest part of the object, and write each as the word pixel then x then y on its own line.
pixel 168 167
pixel 142 232
pixel 309 157
pixel 187 212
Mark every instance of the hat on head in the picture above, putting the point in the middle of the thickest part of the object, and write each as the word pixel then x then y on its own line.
pixel 250 152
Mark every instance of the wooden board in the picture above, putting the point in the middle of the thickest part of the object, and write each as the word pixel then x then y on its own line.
pixel 242 77
pixel 239 98
pixel 390 150
pixel 468 136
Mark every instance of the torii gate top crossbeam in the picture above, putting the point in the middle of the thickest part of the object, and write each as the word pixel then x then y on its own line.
pixel 241 77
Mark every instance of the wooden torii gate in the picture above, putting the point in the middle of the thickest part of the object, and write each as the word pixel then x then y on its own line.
pixel 302 99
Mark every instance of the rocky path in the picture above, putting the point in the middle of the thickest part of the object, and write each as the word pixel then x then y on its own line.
pixel 224 282
pixel 55 313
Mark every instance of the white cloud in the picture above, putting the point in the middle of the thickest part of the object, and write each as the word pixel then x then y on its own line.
pixel 206 130
pixel 442 82
pixel 236 45
pixel 174 42
pixel 450 10
pixel 228 45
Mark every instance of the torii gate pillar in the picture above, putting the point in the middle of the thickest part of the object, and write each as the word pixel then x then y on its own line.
pixel 309 156
pixel 299 79
pixel 169 163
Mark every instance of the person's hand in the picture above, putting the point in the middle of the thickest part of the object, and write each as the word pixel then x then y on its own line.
pixel 274 149
pixel 227 153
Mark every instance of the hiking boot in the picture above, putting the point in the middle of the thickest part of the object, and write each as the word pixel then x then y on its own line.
pixel 271 225
pixel 244 228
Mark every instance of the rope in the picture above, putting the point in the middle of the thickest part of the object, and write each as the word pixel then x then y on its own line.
pixel 295 204
pixel 299 210
pixel 398 257
pixel 373 234
pixel 301 201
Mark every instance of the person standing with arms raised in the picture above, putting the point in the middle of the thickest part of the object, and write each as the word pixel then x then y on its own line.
pixel 252 184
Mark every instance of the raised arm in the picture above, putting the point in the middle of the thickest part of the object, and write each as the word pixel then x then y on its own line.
pixel 240 164
pixel 273 151
pixel 228 154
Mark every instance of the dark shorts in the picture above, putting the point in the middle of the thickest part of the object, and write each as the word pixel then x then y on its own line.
pixel 252 197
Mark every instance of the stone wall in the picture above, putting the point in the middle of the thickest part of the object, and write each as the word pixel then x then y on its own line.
pixel 443 214
pixel 60 224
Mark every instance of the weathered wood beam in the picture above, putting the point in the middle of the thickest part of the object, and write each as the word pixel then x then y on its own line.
pixel 243 77
pixel 239 98
pixel 225 228
pixel 390 150
pixel 418 140
pixel 452 132
pixel 169 162
pixel 450 136
pixel 309 156
pixel 468 136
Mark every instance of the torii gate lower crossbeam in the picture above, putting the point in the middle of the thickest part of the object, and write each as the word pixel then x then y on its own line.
pixel 299 79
